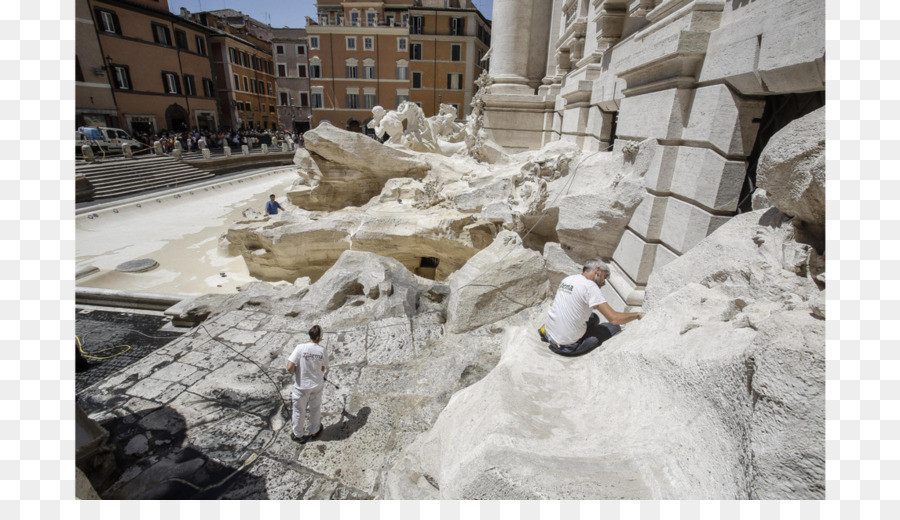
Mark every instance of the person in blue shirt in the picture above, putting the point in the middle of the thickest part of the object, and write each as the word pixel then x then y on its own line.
pixel 272 207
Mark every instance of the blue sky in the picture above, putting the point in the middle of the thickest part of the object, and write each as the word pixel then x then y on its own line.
pixel 278 13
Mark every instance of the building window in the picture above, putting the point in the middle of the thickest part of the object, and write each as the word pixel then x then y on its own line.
pixel 402 44
pixel 271 109
pixel 284 98
pixel 354 17
pixel 121 77
pixel 108 21
pixel 181 39
pixel 269 88
pixel 237 82
pixel 209 90
pixel 369 69
pixel 171 85
pixel 416 79
pixel 368 43
pixel 189 87
pixel 323 18
pixel 279 49
pixel 282 70
pixel 304 99
pixel 301 71
pixel 402 71
pixel 457 26
pixel 404 19
pixel 352 100
pixel 246 84
pixel 454 81
pixel 455 52
pixel 313 42
pixel 417 26
pixel 316 99
pixel 340 19
pixel 389 20
pixel 201 45
pixel 369 101
pixel 315 71
pixel 301 50
pixel 161 34
pixel 371 18
pixel 352 71
pixel 232 55
pixel 415 51
pixel 351 43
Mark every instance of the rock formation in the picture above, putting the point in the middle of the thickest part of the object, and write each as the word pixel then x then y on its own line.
pixel 792 171
pixel 441 387
pixel 448 214
pixel 717 393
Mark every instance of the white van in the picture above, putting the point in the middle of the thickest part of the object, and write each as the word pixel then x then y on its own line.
pixel 105 140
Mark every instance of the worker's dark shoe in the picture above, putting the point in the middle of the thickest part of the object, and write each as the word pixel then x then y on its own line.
pixel 543 332
pixel 297 439
pixel 316 435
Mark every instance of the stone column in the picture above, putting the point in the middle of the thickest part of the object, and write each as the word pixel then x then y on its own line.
pixel 227 150
pixel 245 149
pixel 519 39
pixel 265 149
pixel 206 153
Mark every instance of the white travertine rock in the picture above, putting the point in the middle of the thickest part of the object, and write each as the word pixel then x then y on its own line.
pixel 349 168
pixel 759 200
pixel 361 285
pixel 595 206
pixel 559 265
pixel 792 169
pixel 717 393
pixel 301 243
pixel 499 281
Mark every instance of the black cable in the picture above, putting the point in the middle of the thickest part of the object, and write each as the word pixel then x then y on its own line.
pixel 277 388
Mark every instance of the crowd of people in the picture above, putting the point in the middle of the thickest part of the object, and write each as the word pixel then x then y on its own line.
pixel 190 139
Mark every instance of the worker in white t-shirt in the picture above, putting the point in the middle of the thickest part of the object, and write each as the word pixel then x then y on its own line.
pixel 572 328
pixel 308 363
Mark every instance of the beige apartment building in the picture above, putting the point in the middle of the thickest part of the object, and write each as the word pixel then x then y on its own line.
pixel 290 50
pixel 363 54
pixel 245 73
pixel 94 102
pixel 157 66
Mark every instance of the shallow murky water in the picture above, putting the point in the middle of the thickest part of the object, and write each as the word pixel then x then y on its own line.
pixel 181 233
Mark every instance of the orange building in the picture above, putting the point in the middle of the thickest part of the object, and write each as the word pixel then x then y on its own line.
pixel 242 55
pixel 157 64
pixel 363 54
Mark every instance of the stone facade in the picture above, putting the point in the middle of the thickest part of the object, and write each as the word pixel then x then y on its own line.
pixel 696 75
pixel 290 50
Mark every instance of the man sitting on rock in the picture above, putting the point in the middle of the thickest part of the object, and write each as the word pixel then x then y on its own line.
pixel 308 363
pixel 572 328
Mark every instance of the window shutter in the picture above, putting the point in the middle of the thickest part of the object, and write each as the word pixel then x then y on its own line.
pixel 118 27
pixel 449 80
pixel 165 83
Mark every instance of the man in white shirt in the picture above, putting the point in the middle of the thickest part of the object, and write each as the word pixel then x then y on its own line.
pixel 572 328
pixel 308 363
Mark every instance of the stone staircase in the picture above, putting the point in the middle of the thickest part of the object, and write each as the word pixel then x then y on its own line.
pixel 124 177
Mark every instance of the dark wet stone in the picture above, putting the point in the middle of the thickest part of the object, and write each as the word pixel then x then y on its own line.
pixel 137 266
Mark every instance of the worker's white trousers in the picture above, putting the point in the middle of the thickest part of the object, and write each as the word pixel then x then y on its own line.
pixel 312 397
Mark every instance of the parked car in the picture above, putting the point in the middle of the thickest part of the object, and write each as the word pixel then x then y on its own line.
pixel 104 140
